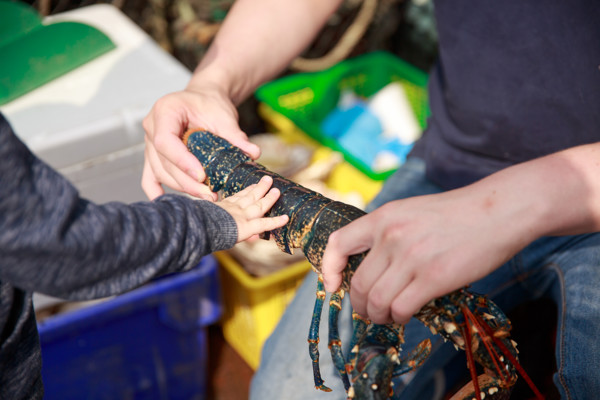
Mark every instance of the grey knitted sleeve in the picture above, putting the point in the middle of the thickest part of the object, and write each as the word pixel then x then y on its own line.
pixel 54 242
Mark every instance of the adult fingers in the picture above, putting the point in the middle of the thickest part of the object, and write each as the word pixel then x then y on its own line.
pixel 239 139
pixel 353 238
pixel 409 301
pixel 366 275
pixel 332 265
pixel 174 156
pixel 151 175
pixel 385 288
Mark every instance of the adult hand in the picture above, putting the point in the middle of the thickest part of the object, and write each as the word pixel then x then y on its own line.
pixel 235 64
pixel 248 207
pixel 421 248
pixel 167 160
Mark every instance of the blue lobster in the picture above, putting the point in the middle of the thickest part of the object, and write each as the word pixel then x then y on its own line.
pixel 471 321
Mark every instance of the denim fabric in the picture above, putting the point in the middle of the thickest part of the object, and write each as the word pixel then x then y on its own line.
pixel 565 268
pixel 54 242
pixel 285 370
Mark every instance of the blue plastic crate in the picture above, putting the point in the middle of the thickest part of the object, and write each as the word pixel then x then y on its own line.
pixel 150 343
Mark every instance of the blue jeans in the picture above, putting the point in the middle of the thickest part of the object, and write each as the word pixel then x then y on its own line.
pixel 564 268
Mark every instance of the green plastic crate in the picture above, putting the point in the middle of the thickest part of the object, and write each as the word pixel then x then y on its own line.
pixel 307 98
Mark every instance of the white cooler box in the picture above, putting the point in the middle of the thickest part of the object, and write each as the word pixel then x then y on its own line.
pixel 88 123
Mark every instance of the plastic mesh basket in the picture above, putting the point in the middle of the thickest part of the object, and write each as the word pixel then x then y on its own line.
pixel 307 98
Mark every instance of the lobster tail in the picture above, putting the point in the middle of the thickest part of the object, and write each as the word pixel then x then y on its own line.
pixel 313 217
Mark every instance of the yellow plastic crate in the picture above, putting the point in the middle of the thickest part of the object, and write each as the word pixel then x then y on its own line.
pixel 254 305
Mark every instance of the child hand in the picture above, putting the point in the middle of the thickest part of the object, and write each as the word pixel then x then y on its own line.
pixel 249 206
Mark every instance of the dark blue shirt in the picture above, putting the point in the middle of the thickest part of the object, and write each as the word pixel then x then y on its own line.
pixel 515 80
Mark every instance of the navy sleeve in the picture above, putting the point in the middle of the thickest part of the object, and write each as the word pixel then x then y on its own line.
pixel 54 242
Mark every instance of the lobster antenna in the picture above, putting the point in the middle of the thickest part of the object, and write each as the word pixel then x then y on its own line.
pixel 512 359
pixel 469 353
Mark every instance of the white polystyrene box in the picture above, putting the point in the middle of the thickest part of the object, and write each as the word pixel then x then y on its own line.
pixel 88 123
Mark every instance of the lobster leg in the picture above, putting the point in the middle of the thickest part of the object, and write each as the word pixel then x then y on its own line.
pixel 313 336
pixel 414 359
pixel 359 330
pixel 376 360
pixel 335 344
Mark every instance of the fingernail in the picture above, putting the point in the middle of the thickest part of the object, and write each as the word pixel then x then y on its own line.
pixel 211 197
pixel 195 174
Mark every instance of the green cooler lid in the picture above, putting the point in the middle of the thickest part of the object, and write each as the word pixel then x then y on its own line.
pixel 34 53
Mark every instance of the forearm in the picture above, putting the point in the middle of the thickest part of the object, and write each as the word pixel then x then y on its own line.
pixel 54 242
pixel 554 195
pixel 427 246
pixel 257 40
pixel 98 251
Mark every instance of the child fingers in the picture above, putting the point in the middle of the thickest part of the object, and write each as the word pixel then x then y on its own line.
pixel 270 223
pixel 252 193
pixel 261 206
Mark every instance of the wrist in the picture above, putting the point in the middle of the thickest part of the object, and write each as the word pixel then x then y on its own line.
pixel 217 76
